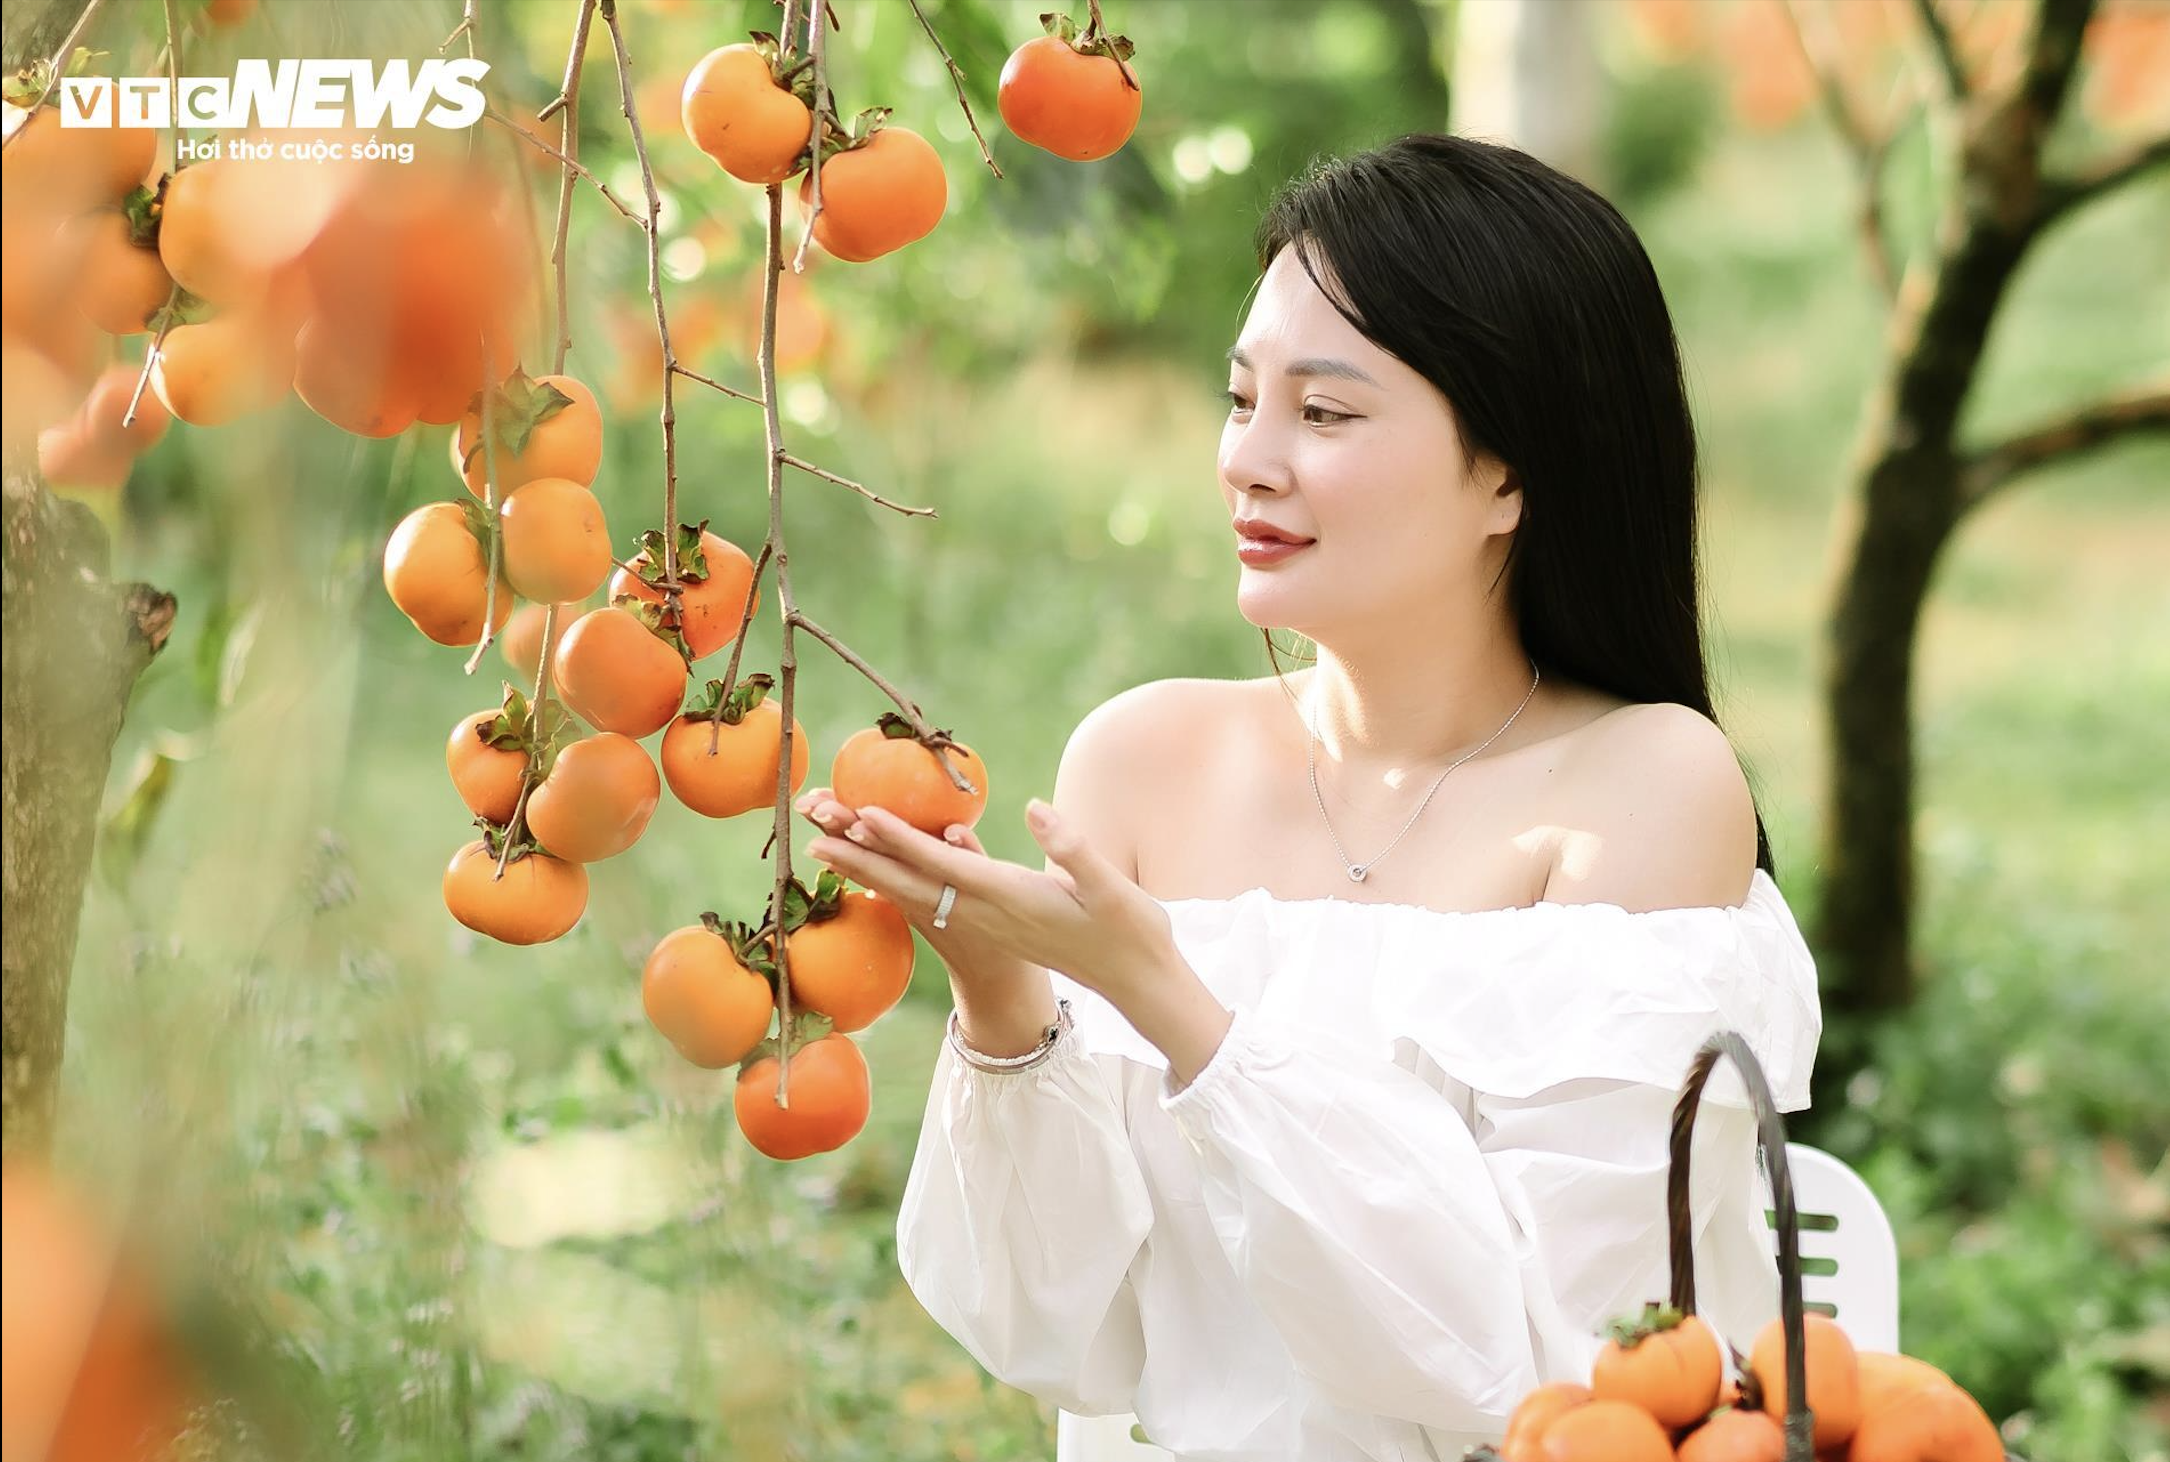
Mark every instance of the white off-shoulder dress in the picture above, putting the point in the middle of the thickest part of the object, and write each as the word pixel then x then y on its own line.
pixel 1424 1167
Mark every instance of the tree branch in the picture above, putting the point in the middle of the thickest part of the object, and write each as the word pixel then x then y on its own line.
pixel 1868 143
pixel 2144 410
pixel 1946 50
pixel 957 77
pixel 2061 196
pixel 536 142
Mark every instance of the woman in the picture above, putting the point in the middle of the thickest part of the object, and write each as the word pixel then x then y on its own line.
pixel 1350 1125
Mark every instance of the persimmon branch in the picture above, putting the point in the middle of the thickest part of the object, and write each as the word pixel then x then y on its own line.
pixel 823 118
pixel 497 523
pixel 568 100
pixel 2141 411
pixel 673 591
pixel 1945 49
pixel 1869 143
pixel 716 385
pixel 59 65
pixel 873 497
pixel 957 77
pixel 150 357
pixel 2061 196
pixel 911 712
pixel 536 142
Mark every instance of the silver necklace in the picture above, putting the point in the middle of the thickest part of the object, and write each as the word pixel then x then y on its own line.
pixel 1357 871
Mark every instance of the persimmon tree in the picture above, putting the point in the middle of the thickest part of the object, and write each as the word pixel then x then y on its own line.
pixel 1913 481
pixel 77 640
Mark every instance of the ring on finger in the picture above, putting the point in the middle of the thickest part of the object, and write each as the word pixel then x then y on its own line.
pixel 948 902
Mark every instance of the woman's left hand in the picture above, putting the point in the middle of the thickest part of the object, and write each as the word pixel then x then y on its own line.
pixel 1084 918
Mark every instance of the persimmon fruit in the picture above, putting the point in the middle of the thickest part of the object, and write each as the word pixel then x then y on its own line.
pixel 1667 1363
pixel 1075 104
pixel 107 407
pixel 885 766
pixel 351 385
pixel 1930 1423
pixel 1834 1377
pixel 712 586
pixel 219 370
pixel 200 225
pixel 1734 1435
pixel 1536 1411
pixel 831 1096
pixel 119 282
pixel 851 962
pixel 486 771
pixel 538 899
pixel 733 109
pixel 597 799
pixel 740 774
pixel 1605 1431
pixel 708 1005
pixel 521 642
pixel 618 675
pixel 557 546
pixel 878 196
pixel 555 429
pixel 436 572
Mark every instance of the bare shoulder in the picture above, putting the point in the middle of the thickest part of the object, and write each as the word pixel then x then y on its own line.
pixel 1125 755
pixel 1664 816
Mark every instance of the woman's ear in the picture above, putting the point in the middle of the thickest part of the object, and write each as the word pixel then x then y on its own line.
pixel 1505 486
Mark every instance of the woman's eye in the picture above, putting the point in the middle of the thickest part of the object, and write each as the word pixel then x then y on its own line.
pixel 1238 403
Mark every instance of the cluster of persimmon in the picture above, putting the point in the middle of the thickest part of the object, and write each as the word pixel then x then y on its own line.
pixel 369 293
pixel 560 801
pixel 751 107
pixel 1659 1392
pixel 712 988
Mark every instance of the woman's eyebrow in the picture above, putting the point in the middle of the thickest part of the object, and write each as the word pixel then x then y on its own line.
pixel 1315 366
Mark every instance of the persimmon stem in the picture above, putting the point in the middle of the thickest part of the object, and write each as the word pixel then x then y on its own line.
pixel 673 591
pixel 150 357
pixel 957 78
pixel 1098 30
pixel 911 712
pixel 516 825
pixel 871 496
pixel 824 107
pixel 715 385
pixel 564 161
pixel 568 99
pixel 497 523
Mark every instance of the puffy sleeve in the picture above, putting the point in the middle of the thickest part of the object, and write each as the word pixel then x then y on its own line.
pixel 1023 1211
pixel 1439 1212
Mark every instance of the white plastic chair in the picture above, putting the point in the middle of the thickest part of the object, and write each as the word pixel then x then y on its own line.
pixel 1849 1271
pixel 1849 1257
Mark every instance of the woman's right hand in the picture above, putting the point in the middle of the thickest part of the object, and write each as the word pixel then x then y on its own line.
pixel 976 961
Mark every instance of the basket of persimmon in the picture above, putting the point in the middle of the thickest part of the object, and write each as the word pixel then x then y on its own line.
pixel 1666 1387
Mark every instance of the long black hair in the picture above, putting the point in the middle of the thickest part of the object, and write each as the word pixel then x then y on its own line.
pixel 1529 302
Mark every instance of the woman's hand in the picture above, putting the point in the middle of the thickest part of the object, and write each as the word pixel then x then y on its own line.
pixel 968 954
pixel 1084 918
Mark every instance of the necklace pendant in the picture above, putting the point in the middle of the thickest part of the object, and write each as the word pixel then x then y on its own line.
pixel 1356 874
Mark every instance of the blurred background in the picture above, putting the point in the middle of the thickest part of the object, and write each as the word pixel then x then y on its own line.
pixel 422 1195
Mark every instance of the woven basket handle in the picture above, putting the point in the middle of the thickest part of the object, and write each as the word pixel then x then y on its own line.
pixel 1771 1134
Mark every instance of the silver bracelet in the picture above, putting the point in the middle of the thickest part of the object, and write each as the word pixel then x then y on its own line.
pixel 1010 1065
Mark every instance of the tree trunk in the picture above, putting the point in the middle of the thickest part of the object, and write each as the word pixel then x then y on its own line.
pixel 1526 73
pixel 1904 509
pixel 74 647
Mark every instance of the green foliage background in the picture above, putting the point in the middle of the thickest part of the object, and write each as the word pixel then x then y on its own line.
pixel 476 1208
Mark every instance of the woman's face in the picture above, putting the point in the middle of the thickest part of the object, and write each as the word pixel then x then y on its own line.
pixel 1331 438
